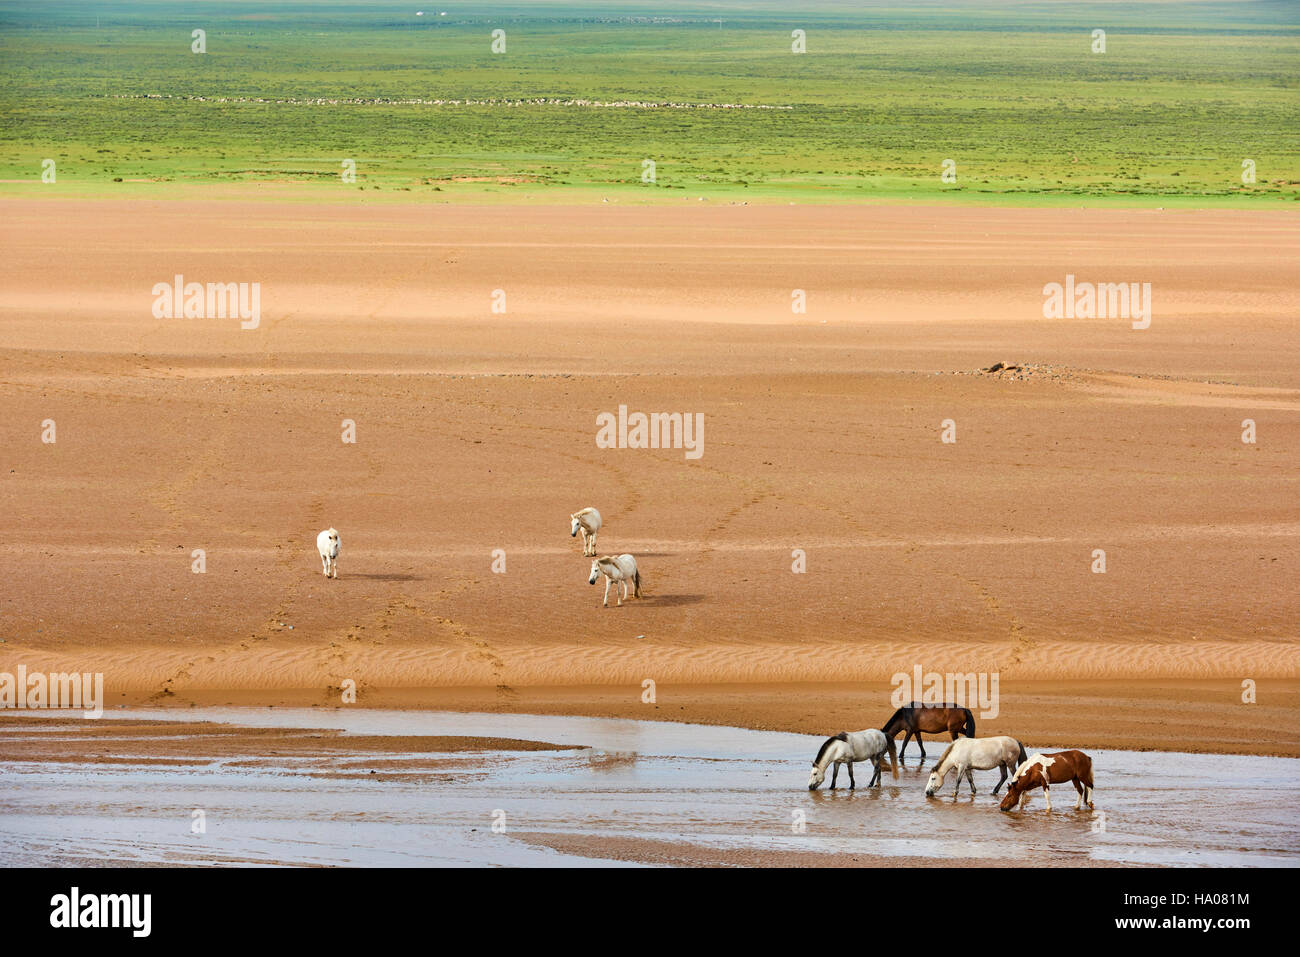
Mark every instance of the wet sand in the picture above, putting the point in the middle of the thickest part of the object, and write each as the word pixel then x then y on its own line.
pixel 1207 716
pixel 639 791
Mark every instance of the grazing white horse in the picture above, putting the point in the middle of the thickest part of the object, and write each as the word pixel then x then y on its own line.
pixel 976 754
pixel 586 521
pixel 849 746
pixel 618 570
pixel 327 543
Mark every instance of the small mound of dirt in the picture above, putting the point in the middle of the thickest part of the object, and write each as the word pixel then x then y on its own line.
pixel 1018 371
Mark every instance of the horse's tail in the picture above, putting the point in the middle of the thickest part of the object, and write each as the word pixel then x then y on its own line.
pixel 970 723
pixel 893 756
pixel 636 582
pixel 1087 770
pixel 1023 756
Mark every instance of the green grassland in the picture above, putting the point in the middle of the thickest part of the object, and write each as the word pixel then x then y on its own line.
pixel 1012 92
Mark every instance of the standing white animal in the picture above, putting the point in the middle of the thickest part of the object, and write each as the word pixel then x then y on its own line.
pixel 586 521
pixel 965 755
pixel 849 746
pixel 327 543
pixel 619 570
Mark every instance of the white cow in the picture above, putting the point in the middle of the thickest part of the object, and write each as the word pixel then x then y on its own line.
pixel 327 543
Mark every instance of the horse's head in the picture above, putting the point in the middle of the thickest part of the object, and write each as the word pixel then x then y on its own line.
pixel 1028 776
pixel 935 782
pixel 1010 799
pixel 573 529
pixel 595 571
pixel 334 536
pixel 816 778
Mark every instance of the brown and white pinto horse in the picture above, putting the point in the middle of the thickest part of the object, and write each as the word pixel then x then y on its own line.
pixel 1043 770
pixel 932 719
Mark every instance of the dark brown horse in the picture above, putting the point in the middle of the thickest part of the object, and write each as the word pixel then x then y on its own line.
pixel 932 719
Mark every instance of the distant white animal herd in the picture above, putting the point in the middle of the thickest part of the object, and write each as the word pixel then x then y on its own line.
pixel 619 570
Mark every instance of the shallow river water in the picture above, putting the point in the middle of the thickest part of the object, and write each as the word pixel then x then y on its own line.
pixel 711 787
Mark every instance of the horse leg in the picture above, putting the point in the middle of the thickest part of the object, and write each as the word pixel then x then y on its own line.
pixel 835 774
pixel 618 599
pixel 1002 780
pixel 607 581
pixel 970 779
pixel 875 778
pixel 920 744
pixel 1078 787
pixel 852 783
pixel 907 736
pixel 1047 793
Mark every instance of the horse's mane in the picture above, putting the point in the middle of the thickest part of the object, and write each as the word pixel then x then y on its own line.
pixel 842 736
pixel 1036 761
pixel 943 757
pixel 897 714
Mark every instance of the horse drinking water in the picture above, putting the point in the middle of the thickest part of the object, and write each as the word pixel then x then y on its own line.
pixel 976 754
pixel 932 719
pixel 847 747
pixel 1043 770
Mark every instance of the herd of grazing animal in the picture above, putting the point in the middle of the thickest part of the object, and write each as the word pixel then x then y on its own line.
pixel 619 570
pixel 964 756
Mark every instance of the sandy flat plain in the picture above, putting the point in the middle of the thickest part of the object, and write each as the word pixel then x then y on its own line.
pixel 476 431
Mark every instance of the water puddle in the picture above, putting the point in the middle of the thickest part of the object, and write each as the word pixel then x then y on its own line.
pixel 710 787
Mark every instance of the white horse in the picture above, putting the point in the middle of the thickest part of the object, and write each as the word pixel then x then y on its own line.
pixel 586 521
pixel 618 570
pixel 976 754
pixel 327 543
pixel 847 747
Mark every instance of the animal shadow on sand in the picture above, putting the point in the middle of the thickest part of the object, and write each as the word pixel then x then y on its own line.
pixel 391 577
pixel 671 601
